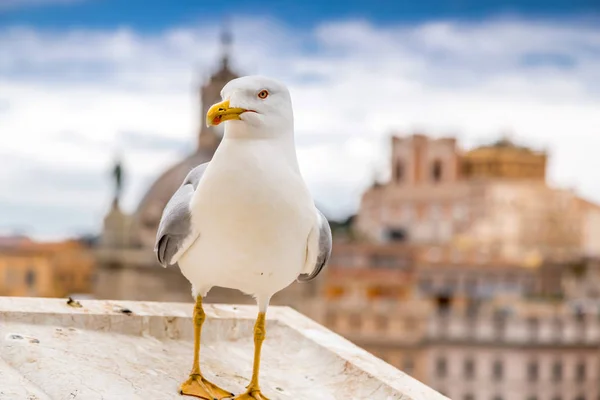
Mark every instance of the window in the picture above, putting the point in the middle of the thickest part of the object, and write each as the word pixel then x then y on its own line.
pixel 441 367
pixel 499 325
pixel 533 371
pixel 450 284
pixel 471 286
pixel 533 326
pixel 579 314
pixel 436 171
pixel 381 322
pixel 444 305
pixel 498 370
pixel 30 278
pixel 383 261
pixel 399 172
pixel 473 306
pixel 557 371
pixel 355 321
pixel 397 235
pixel 469 368
pixel 580 371
pixel 467 169
pixel 558 327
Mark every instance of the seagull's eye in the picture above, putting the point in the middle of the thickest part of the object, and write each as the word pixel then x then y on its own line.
pixel 263 94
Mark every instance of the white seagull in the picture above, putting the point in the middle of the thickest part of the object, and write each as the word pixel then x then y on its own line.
pixel 246 219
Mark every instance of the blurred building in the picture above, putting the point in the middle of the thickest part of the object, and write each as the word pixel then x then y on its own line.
pixel 472 274
pixel 127 266
pixel 59 269
pixel 516 343
pixel 493 200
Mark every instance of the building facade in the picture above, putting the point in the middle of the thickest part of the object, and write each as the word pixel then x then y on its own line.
pixel 515 343
pixel 493 199
pixel 59 269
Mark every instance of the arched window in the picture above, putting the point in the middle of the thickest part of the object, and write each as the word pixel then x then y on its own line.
pixel 399 171
pixel 30 278
pixel 469 368
pixel 498 370
pixel 441 367
pixel 436 171
pixel 580 371
pixel 533 371
pixel 557 371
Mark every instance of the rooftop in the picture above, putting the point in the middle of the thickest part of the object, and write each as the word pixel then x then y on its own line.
pixel 143 350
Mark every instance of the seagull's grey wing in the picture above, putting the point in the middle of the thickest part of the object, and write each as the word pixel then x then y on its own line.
pixel 175 227
pixel 324 243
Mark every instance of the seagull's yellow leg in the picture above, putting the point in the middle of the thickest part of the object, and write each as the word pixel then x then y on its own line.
pixel 253 392
pixel 196 385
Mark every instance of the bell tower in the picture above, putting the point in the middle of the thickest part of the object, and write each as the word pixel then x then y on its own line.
pixel 210 93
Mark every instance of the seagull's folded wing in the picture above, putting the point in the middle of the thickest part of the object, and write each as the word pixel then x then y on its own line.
pixel 318 248
pixel 175 232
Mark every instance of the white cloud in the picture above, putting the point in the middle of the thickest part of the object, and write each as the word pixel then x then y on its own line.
pixel 68 98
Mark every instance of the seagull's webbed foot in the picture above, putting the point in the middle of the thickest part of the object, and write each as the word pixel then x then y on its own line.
pixel 251 394
pixel 198 386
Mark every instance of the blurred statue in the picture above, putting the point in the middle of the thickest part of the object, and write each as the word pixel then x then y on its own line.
pixel 118 180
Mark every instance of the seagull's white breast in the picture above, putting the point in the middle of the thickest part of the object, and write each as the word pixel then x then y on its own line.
pixel 253 213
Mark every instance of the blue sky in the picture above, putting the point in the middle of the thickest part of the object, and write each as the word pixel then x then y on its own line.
pixel 81 80
pixel 155 15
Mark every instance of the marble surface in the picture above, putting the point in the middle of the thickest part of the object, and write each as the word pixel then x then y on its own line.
pixel 125 350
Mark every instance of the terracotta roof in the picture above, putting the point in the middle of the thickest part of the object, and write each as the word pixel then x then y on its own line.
pixel 14 241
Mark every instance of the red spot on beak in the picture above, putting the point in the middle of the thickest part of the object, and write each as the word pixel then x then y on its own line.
pixel 217 120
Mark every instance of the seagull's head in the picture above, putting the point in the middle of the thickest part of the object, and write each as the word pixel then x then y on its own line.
pixel 253 106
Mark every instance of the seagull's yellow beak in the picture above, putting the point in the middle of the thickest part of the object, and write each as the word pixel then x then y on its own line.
pixel 222 112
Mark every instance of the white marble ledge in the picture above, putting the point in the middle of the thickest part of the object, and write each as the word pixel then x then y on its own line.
pixel 131 350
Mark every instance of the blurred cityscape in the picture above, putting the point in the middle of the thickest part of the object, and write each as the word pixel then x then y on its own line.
pixel 466 269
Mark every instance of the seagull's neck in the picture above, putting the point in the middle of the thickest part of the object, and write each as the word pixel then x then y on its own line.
pixel 281 147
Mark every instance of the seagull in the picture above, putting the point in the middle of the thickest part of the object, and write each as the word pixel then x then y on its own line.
pixel 245 220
